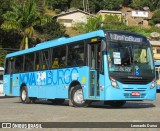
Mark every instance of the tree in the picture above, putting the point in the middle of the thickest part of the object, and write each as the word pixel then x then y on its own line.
pixel 63 5
pixel 112 4
pixel 139 4
pixel 156 17
pixel 2 57
pixel 93 23
pixel 112 22
pixel 22 18
pixel 51 30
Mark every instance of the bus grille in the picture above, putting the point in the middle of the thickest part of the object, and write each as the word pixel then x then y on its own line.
pixel 139 89
pixel 129 95
pixel 134 81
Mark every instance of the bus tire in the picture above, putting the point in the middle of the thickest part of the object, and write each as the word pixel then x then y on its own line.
pixel 117 104
pixel 24 95
pixel 77 97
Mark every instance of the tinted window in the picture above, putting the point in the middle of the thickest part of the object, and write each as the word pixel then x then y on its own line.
pixel 18 64
pixel 45 59
pixel 59 57
pixel 7 66
pixel 75 55
pixel 29 62
pixel 37 61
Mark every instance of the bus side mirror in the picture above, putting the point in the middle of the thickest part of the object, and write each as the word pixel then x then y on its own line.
pixel 103 46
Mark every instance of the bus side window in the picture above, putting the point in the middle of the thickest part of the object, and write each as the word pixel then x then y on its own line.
pixel 37 61
pixel 29 62
pixel 19 64
pixel 59 57
pixel 45 59
pixel 75 55
pixel 7 68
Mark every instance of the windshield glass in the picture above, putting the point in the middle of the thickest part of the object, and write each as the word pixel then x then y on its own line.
pixel 130 59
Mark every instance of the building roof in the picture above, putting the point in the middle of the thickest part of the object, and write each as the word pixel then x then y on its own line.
pixel 155 43
pixel 70 12
pixel 109 11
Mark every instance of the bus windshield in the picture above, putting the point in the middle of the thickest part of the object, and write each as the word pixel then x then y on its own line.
pixel 130 59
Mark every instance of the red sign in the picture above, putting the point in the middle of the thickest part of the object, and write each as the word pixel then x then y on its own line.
pixel 135 94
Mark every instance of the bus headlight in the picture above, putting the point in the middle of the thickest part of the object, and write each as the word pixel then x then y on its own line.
pixel 114 82
pixel 154 84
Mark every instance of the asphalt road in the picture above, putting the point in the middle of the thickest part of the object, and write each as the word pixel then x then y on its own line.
pixel 12 110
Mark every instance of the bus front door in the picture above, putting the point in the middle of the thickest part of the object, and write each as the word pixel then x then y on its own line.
pixel 94 73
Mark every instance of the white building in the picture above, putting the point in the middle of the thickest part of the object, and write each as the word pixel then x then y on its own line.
pixel 140 14
pixel 68 19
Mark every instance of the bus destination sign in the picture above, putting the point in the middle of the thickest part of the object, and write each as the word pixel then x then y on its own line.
pixel 124 37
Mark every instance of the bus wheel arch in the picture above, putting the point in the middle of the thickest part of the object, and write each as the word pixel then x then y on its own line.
pixel 24 94
pixel 76 96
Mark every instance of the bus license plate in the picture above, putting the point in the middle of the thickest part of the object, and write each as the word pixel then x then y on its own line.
pixel 135 94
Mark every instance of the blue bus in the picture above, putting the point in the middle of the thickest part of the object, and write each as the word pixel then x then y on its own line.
pixel 104 65
pixel 157 68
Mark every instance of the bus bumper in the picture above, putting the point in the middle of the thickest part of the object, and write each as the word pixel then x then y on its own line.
pixel 112 93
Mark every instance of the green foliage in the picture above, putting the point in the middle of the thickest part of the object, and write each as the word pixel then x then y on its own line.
pixel 57 11
pixel 77 4
pixel 23 18
pixel 139 4
pixel 4 6
pixel 52 30
pixel 112 22
pixel 2 57
pixel 63 5
pixel 112 4
pixel 93 23
pixel 155 18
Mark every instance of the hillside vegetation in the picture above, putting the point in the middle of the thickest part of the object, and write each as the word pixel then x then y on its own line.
pixel 24 23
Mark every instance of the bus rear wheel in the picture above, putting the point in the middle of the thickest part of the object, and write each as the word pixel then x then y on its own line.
pixel 24 96
pixel 117 104
pixel 77 97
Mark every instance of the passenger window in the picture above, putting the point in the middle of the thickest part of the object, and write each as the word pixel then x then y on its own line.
pixel 19 64
pixel 29 62
pixel 7 68
pixel 75 55
pixel 37 61
pixel 59 57
pixel 45 59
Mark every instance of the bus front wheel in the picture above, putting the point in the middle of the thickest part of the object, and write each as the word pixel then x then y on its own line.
pixel 77 97
pixel 24 96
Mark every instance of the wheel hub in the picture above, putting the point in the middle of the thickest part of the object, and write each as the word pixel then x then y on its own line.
pixel 24 94
pixel 78 96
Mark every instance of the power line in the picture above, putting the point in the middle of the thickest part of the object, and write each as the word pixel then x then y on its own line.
pixel 9 49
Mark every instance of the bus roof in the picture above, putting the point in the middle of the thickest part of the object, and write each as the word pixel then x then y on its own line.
pixel 59 41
